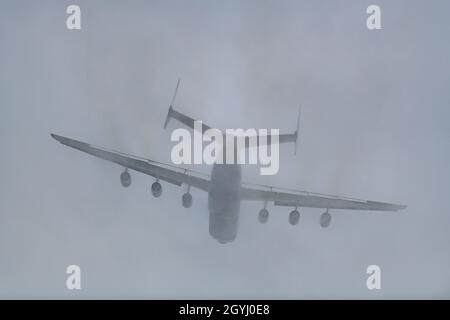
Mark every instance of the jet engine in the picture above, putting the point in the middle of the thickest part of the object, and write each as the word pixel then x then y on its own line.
pixel 156 189
pixel 125 179
pixel 263 215
pixel 294 217
pixel 325 219
pixel 186 200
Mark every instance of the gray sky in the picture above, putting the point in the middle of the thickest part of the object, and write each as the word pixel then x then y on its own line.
pixel 374 125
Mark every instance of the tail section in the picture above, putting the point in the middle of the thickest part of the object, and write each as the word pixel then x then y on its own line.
pixel 169 116
pixel 289 137
pixel 184 119
pixel 189 122
pixel 170 112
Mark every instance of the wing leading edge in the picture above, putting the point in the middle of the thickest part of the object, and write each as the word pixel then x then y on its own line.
pixel 293 198
pixel 179 176
pixel 170 174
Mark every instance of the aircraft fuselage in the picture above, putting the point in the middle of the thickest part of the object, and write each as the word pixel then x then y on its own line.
pixel 224 201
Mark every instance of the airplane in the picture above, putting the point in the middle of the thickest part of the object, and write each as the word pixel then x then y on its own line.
pixel 224 186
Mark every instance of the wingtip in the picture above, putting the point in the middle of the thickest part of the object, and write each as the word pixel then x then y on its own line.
pixel 398 207
pixel 384 206
pixel 59 138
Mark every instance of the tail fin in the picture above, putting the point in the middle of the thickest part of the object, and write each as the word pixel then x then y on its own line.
pixel 298 128
pixel 292 137
pixel 169 115
pixel 181 117
pixel 282 138
pixel 172 103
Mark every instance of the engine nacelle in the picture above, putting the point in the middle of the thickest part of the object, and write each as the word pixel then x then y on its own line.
pixel 186 200
pixel 294 217
pixel 156 189
pixel 325 219
pixel 125 179
pixel 263 215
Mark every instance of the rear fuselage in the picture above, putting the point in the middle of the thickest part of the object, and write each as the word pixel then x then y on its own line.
pixel 224 201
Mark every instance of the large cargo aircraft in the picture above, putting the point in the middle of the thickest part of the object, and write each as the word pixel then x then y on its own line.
pixel 224 186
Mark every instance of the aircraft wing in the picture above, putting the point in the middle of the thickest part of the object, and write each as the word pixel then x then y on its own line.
pixel 295 198
pixel 171 174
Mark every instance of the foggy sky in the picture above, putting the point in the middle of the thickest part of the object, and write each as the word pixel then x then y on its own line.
pixel 375 125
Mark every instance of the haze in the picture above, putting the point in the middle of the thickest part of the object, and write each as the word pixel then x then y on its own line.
pixel 374 125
